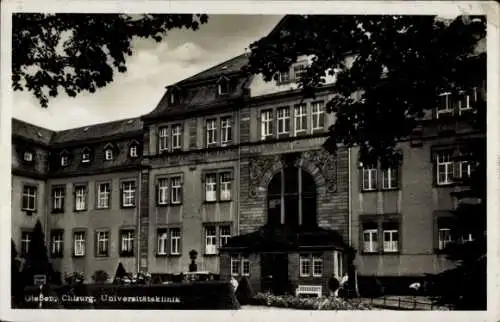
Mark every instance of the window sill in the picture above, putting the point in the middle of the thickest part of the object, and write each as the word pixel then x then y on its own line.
pixel 370 253
pixel 211 255
pixel 397 253
pixel 78 256
pixel 369 190
pixel 102 256
pixel 161 255
pixel 56 256
pixel 29 210
pixel 58 211
pixel 209 201
pixel 127 207
pixel 162 205
pixel 175 204
pixel 390 189
pixel 175 255
pixel 102 208
pixel 126 254
pixel 81 210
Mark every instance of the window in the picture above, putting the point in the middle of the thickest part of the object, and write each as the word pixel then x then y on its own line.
pixel 85 156
pixel 464 169
pixel 29 198
pixel 235 265
pixel 211 132
pixel 389 178
pixel 223 87
pixel 467 99
pixel 163 139
pixel 300 119
pixel 391 240
pixel 176 136
pixel 127 242
pixel 224 235
pixel 369 178
pixel 210 240
pixel 283 118
pixel 245 266
pixel 172 98
pixel 108 154
pixel 163 191
pixel 56 243
pixel 28 156
pixel 445 106
pixel 444 168
pixel 175 241
pixel 298 71
pixel 211 187
pixel 64 161
pixel 79 244
pixel 317 266
pixel 284 77
pixel 128 194
pixel 103 194
pixel 305 265
pixel 102 243
pixel 225 186
pixel 226 131
pixel 80 198
pixel 176 197
pixel 25 242
pixel 318 116
pixel 444 237
pixel 133 151
pixel 58 199
pixel 370 243
pixel 162 241
pixel 266 124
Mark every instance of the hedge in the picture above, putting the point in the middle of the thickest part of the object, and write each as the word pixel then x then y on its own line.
pixel 300 303
pixel 208 295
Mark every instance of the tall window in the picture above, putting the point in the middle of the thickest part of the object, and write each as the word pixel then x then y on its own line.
pixel 224 235
pixel 225 186
pixel 464 169
pixel 235 265
pixel 245 266
pixel 102 243
pixel 318 116
pixel 211 187
pixel 211 132
pixel 389 178
pixel 175 241
pixel 210 240
pixel 56 243
pixel 103 193
pixel 79 244
pixel 444 168
pixel 444 237
pixel 298 71
pixel 467 99
pixel 162 241
pixel 266 124
pixel 226 132
pixel 58 199
pixel 283 118
pixel 223 87
pixel 163 191
pixel 29 198
pixel 176 136
pixel 317 266
pixel 300 119
pixel 25 242
pixel 391 239
pixel 445 106
pixel 128 194
pixel 163 139
pixel 369 177
pixel 127 242
pixel 80 198
pixel 370 240
pixel 284 77
pixel 305 265
pixel 176 190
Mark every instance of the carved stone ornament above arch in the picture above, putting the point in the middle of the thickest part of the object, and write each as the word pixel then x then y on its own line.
pixel 321 164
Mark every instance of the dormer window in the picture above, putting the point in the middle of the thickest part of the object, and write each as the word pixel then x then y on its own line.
pixel 86 155
pixel 108 154
pixel 173 95
pixel 445 106
pixel 64 160
pixel 134 149
pixel 172 98
pixel 28 156
pixel 223 86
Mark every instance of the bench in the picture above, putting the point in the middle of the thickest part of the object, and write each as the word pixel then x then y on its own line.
pixel 309 290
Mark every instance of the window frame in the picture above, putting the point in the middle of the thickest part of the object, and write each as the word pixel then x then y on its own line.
pixel 211 128
pixel 303 259
pixel 160 232
pixel 316 259
pixel 448 110
pixel 371 171
pixel 127 239
pixel 378 225
pixel 30 154
pixel 392 242
pixel 317 116
pixel 302 117
pixel 132 192
pixel 135 148
pixel 85 194
pixel 283 120
pixel 211 246
pixel 107 240
pixel 178 238
pixel 25 246
pixel 64 160
pixel 162 191
pixel 29 196
pixel 392 175
pixel 108 154
pixel 176 188
pixel 176 136
pixel 266 124
pixel 163 139
pixel 98 204
pixel 83 243
pixel 226 128
pixel 448 166
pixel 56 233
pixel 373 242
pixel 86 155
pixel 62 198
pixel 211 184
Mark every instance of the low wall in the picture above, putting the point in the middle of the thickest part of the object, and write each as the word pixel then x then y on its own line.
pixel 208 295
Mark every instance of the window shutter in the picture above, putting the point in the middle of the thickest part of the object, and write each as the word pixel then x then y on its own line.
pixel 181 141
pixel 205 134
pixel 157 194
pixel 121 195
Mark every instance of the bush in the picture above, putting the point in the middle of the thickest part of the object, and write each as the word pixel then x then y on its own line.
pixel 244 292
pixel 321 303
pixel 74 278
pixel 100 277
pixel 120 274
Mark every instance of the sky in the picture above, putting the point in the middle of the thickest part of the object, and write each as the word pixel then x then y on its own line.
pixel 151 67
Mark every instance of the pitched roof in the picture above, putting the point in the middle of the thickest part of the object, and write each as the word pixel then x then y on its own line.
pixel 31 132
pixel 97 131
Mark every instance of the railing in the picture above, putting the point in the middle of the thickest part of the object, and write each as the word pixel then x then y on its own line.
pixel 399 303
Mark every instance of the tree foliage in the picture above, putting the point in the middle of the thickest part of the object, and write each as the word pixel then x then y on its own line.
pixel 400 65
pixel 37 259
pixel 390 71
pixel 81 52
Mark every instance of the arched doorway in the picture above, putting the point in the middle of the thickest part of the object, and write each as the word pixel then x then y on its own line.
pixel 291 198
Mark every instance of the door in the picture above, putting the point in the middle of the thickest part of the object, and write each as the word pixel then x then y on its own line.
pixel 274 273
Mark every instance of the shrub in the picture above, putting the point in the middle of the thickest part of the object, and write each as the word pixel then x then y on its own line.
pixel 100 277
pixel 74 278
pixel 120 274
pixel 244 292
pixel 321 303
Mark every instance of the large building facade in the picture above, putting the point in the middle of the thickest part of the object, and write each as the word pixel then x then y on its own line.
pixel 225 156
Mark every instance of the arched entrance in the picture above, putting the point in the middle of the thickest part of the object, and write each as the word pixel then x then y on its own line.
pixel 291 199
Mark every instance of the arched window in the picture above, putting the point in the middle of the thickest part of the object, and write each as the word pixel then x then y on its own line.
pixel 291 198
